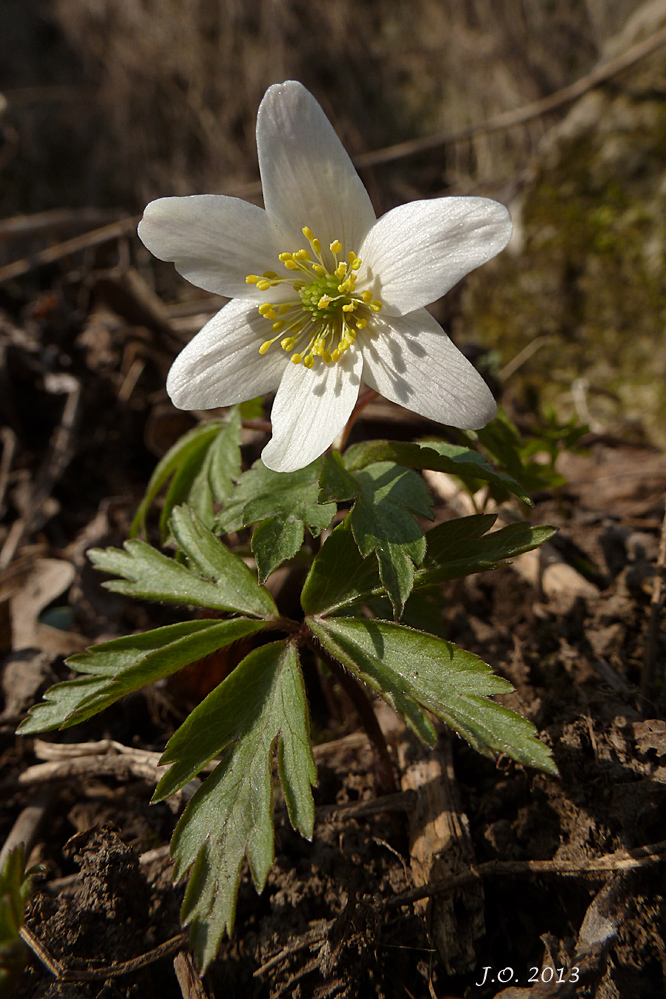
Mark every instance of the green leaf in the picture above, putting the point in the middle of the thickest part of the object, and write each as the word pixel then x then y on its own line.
pixel 339 575
pixel 263 493
pixel 15 891
pixel 261 704
pixel 288 500
pixel 386 497
pixel 201 465
pixel 123 665
pixel 457 547
pixel 217 579
pixel 436 455
pixel 411 669
pixel 275 540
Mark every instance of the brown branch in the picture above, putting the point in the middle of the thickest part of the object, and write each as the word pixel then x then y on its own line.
pixel 600 74
pixel 114 970
pixel 623 860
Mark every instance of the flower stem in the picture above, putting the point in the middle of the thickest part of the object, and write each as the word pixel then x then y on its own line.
pixel 364 398
pixel 383 767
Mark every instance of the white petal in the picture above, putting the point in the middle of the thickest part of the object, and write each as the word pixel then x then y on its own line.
pixel 411 361
pixel 417 252
pixel 310 409
pixel 214 241
pixel 222 364
pixel 308 178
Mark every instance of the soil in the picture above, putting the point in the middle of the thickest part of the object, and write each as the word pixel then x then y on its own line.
pixel 573 633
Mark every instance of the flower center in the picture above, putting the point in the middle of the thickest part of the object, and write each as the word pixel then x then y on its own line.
pixel 327 311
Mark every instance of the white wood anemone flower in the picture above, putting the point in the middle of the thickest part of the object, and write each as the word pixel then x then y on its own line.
pixel 324 294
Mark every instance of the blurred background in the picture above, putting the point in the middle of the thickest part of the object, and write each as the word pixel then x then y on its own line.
pixel 107 104
pixel 114 102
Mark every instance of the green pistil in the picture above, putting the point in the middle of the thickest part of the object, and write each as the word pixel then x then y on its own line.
pixel 328 313
pixel 311 296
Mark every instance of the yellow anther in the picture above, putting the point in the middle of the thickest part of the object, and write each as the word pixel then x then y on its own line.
pixel 302 255
pixel 265 308
pixel 283 309
pixel 319 270
pixel 367 297
pixel 264 347
pixel 326 357
pixel 350 307
pixel 356 263
pixel 251 279
pixel 351 257
pixel 284 256
pixel 308 361
pixel 291 265
pixel 263 284
pixel 340 270
pixel 342 346
pixel 336 246
pixel 270 315
pixel 307 232
pixel 296 327
pixel 288 343
pixel 346 286
pixel 296 358
pixel 361 323
pixel 335 356
pixel 316 246
pixel 375 306
pixel 318 348
pixel 324 301
pixel 279 325
pixel 270 274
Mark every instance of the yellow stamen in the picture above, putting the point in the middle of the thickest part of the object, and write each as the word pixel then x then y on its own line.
pixel 326 309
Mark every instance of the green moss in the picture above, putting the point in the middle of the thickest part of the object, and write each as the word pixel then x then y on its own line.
pixel 590 273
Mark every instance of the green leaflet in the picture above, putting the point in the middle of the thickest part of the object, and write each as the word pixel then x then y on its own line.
pixel 339 575
pixel 202 466
pixel 283 504
pixel 414 670
pixel 381 521
pixel 118 667
pixel 260 705
pixel 217 578
pixel 15 891
pixel 437 455
pixel 461 547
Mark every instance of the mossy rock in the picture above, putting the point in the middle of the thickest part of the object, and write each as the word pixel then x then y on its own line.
pixel 587 265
